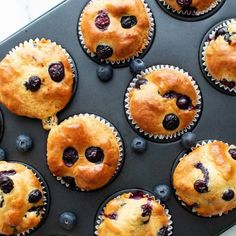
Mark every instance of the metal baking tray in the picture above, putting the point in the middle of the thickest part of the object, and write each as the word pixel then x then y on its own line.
pixel 176 43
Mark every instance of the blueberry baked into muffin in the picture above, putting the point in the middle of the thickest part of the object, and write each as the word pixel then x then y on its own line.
pixel 192 5
pixel 36 79
pixel 115 30
pixel 22 203
pixel 162 101
pixel 84 151
pixel 220 55
pixel 135 214
pixel 204 179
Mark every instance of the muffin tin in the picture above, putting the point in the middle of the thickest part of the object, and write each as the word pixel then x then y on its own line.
pixel 176 43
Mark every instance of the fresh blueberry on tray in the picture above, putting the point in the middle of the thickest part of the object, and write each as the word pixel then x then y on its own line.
pixel 68 220
pixel 139 145
pixel 136 66
pixel 23 143
pixel 188 140
pixel 105 72
pixel 162 192
pixel 2 154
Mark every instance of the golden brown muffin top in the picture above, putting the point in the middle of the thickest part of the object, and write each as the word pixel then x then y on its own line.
pixel 205 179
pixel 84 148
pixel 101 25
pixel 199 5
pixel 220 55
pixel 28 63
pixel 162 93
pixel 21 199
pixel 133 214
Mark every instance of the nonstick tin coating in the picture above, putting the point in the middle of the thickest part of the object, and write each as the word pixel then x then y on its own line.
pixel 176 43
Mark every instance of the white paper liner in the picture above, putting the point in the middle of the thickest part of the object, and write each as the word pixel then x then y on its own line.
pixel 118 62
pixel 202 143
pixel 99 217
pixel 34 42
pixel 119 142
pixel 205 46
pixel 189 13
pixel 45 202
pixel 156 136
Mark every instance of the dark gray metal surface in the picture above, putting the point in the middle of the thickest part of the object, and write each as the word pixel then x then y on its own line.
pixel 176 43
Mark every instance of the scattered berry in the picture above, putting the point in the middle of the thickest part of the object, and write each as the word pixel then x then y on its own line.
pixel 2 154
pixel 139 145
pixel 68 220
pixel 136 66
pixel 188 140
pixel 162 192
pixel 23 143
pixel 105 72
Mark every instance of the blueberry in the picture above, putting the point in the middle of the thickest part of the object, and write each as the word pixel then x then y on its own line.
pixel 104 51
pixel 162 192
pixel 163 232
pixel 33 84
pixel 139 145
pixel 102 20
pixel 94 154
pixel 183 102
pixel 128 22
pixel 171 122
pixel 136 66
pixel 56 71
pixel 232 152
pixel 68 220
pixel 105 72
pixel 6 184
pixel 140 82
pixel 170 95
pixel 23 143
pixel 184 3
pixel 70 156
pixel 35 196
pixel 230 84
pixel 188 140
pixel 227 38
pixel 221 31
pixel 200 186
pixel 228 195
pixel 2 154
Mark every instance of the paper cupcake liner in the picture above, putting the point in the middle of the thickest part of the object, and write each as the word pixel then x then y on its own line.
pixel 191 15
pixel 156 137
pixel 1 124
pixel 121 151
pixel 125 62
pixel 205 43
pixel 46 122
pixel 100 212
pixel 46 200
pixel 178 160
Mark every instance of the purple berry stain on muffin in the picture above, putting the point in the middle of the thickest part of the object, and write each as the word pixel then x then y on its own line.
pixel 139 83
pixel 70 156
pixel 94 154
pixel 112 216
pixel 56 71
pixel 221 31
pixel 104 51
pixel 146 212
pixel 128 22
pixel 201 186
pixel 136 195
pixel 229 84
pixel 33 84
pixel 7 172
pixel 232 152
pixel 163 232
pixel 184 3
pixel 102 20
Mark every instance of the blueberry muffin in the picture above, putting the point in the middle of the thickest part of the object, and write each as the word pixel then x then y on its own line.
pixel 205 179
pixel 135 214
pixel 115 30
pixel 21 199
pixel 84 151
pixel 36 79
pixel 163 101
pixel 220 55
pixel 196 5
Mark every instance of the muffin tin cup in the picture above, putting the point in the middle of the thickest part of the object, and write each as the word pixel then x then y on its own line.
pixel 205 43
pixel 125 62
pixel 162 138
pixel 99 215
pixel 46 199
pixel 121 158
pixel 186 15
pixel 177 161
